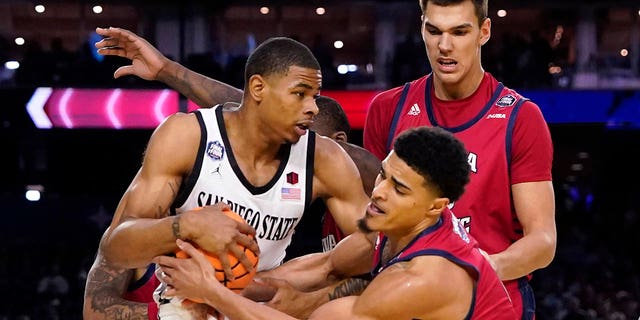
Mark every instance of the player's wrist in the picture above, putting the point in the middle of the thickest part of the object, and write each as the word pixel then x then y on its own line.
pixel 182 226
pixel 168 71
pixel 176 229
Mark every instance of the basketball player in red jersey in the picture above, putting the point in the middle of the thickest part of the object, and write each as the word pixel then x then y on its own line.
pixel 509 203
pixel 425 265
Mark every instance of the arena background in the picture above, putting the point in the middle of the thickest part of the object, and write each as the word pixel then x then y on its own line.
pixel 579 60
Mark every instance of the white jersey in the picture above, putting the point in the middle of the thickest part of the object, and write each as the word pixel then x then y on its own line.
pixel 273 210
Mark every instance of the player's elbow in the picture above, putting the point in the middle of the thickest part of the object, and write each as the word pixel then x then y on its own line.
pixel 112 252
pixel 88 313
pixel 547 244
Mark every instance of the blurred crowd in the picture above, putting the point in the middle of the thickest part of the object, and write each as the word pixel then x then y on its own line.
pixel 515 55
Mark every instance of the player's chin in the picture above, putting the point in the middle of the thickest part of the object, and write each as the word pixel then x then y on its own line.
pixel 363 225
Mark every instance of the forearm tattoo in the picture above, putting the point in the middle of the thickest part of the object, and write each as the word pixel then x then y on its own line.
pixel 349 287
pixel 202 90
pixel 104 290
pixel 175 227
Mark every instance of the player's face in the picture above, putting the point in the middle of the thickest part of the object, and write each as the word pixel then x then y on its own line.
pixel 291 100
pixel 401 202
pixel 453 39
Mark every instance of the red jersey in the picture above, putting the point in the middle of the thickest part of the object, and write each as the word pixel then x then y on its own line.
pixel 449 239
pixel 507 139
pixel 331 233
pixel 142 291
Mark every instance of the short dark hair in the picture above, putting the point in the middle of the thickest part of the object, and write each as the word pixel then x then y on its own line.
pixel 276 55
pixel 331 116
pixel 481 7
pixel 438 156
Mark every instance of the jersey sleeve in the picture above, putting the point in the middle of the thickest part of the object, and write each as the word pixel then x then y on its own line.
pixel 532 153
pixel 378 122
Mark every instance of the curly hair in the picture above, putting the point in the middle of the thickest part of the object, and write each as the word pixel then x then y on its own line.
pixel 438 156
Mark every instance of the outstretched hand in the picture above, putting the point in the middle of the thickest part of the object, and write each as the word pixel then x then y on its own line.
pixel 146 60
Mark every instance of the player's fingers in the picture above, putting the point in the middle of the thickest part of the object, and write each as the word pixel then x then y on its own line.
pixel 102 31
pixel 107 43
pixel 226 266
pixel 222 206
pixel 239 253
pixel 112 51
pixel 165 277
pixel 246 228
pixel 170 291
pixel 165 262
pixel 250 243
pixel 194 253
pixel 123 71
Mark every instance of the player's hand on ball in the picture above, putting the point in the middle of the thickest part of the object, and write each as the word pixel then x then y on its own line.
pixel 190 278
pixel 224 236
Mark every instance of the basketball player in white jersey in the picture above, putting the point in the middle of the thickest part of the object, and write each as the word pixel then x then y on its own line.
pixel 260 160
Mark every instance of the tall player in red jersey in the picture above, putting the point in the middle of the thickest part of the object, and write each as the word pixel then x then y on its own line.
pixel 423 262
pixel 509 203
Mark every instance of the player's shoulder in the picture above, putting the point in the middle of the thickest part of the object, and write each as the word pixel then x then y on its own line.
pixel 178 135
pixel 179 125
pixel 360 154
pixel 387 97
pixel 326 147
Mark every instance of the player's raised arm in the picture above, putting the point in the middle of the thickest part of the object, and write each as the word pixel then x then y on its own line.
pixel 149 64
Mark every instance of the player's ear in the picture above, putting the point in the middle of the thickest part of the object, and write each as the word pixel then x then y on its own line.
pixel 339 136
pixel 485 31
pixel 438 205
pixel 256 87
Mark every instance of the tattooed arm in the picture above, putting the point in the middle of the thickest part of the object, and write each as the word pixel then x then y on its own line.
pixel 202 90
pixel 149 64
pixel 303 284
pixel 103 295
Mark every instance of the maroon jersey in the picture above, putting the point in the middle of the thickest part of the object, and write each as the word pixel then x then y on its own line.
pixel 331 233
pixel 448 239
pixel 142 291
pixel 508 142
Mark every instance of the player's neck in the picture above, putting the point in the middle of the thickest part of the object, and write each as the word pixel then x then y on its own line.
pixel 399 239
pixel 248 138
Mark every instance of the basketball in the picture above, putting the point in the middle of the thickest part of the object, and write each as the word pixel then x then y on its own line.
pixel 242 276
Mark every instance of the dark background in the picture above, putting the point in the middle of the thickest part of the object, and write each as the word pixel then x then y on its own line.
pixel 595 274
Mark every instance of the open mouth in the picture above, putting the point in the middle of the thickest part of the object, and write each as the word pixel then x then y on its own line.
pixel 374 210
pixel 447 62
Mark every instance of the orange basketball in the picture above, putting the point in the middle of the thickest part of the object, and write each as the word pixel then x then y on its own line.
pixel 242 276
